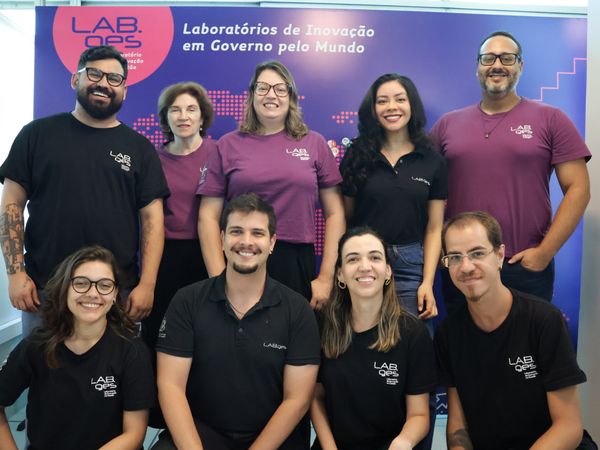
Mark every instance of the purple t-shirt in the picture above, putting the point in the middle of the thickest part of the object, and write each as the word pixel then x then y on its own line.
pixel 281 170
pixel 183 173
pixel 508 173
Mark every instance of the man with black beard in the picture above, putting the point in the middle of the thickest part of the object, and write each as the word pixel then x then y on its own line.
pixel 86 178
pixel 238 354
pixel 501 153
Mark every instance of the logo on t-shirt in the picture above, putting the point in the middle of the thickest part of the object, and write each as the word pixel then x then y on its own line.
pixel 301 153
pixel 421 180
pixel 389 371
pixel 106 384
pixel 274 345
pixel 524 131
pixel 124 160
pixel 525 365
pixel 203 172
pixel 162 331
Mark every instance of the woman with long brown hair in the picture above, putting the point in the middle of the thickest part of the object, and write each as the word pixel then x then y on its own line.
pixel 90 381
pixel 378 363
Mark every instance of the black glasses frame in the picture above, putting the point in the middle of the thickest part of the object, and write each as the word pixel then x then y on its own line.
pixel 500 56
pixel 92 283
pixel 272 86
pixel 94 78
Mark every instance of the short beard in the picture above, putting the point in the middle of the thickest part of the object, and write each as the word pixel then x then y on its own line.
pixel 97 111
pixel 245 270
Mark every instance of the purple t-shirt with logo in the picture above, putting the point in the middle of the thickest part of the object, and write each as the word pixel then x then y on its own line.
pixel 281 170
pixel 508 173
pixel 183 173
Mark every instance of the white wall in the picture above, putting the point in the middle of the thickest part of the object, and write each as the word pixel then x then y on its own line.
pixel 589 313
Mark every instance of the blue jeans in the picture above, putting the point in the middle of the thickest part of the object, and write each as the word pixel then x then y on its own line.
pixel 407 265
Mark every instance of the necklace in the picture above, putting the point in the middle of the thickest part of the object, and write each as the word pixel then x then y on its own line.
pixel 238 313
pixel 488 133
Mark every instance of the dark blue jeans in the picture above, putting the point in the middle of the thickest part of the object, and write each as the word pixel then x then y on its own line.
pixel 540 284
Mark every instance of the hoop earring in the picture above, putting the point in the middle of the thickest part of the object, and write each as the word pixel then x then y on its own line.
pixel 387 282
pixel 341 285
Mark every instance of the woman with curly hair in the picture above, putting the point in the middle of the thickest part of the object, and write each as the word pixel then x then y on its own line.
pixel 274 155
pixel 395 182
pixel 378 364
pixel 90 380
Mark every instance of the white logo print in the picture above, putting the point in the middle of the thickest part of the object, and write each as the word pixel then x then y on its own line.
pixel 389 371
pixel 301 153
pixel 524 130
pixel 422 180
pixel 106 384
pixel 162 331
pixel 124 160
pixel 274 345
pixel 525 365
pixel 203 172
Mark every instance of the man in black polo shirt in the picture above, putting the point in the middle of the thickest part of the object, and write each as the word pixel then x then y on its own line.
pixel 505 356
pixel 238 354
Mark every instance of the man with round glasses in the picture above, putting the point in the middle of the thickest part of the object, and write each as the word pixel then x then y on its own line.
pixel 87 179
pixel 503 350
pixel 501 153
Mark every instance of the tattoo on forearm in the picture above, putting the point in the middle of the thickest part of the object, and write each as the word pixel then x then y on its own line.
pixel 460 438
pixel 11 238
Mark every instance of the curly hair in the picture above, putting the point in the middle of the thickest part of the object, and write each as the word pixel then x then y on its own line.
pixel 336 334
pixel 57 319
pixel 294 123
pixel 362 153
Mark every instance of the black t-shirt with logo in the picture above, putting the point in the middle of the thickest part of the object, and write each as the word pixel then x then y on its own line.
pixel 79 406
pixel 84 186
pixel 236 378
pixel 365 390
pixel 502 377
pixel 394 200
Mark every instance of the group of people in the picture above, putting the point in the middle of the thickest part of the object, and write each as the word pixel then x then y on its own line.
pixel 227 275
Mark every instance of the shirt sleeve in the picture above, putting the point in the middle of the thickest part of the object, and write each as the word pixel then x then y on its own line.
pixel 214 184
pixel 328 174
pixel 15 374
pixel 442 357
pixel 138 385
pixel 176 333
pixel 305 343
pixel 421 373
pixel 557 360
pixel 17 166
pixel 152 183
pixel 567 144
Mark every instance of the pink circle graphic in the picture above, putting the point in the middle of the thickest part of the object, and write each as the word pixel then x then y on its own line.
pixel 143 34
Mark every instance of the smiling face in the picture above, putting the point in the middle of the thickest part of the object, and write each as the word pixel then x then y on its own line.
pixel 184 117
pixel 392 108
pixel 477 278
pixel 246 241
pixel 99 99
pixel 270 109
pixel 363 267
pixel 91 306
pixel 498 80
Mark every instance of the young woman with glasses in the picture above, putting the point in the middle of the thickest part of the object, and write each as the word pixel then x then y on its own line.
pixel 274 155
pixel 396 183
pixel 378 364
pixel 90 381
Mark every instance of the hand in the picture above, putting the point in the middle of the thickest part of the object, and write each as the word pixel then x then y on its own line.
pixel 426 302
pixel 532 259
pixel 140 301
pixel 400 443
pixel 321 289
pixel 22 292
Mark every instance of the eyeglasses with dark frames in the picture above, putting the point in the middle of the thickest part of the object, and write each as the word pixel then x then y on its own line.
pixel 280 89
pixel 455 259
pixel 95 75
pixel 507 59
pixel 82 285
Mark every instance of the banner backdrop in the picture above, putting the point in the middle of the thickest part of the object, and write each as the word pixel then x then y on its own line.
pixel 334 56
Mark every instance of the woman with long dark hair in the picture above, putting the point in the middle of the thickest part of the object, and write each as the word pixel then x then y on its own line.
pixel 274 155
pixel 90 381
pixel 378 365
pixel 396 183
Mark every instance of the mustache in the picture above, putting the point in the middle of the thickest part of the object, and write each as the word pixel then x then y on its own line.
pixel 101 89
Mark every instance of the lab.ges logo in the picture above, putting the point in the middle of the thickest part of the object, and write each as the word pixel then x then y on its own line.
pixel 524 131
pixel 106 384
pixel 301 153
pixel 525 365
pixel 389 371
pixel 124 160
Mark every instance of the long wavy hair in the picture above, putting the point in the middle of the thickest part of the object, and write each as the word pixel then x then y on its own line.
pixel 294 123
pixel 57 320
pixel 362 153
pixel 336 329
